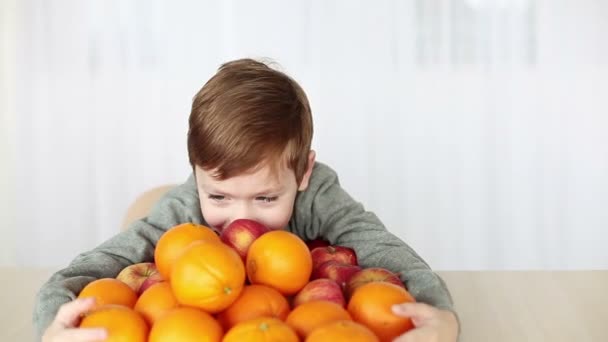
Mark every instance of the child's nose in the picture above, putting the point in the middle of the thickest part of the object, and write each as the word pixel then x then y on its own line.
pixel 244 212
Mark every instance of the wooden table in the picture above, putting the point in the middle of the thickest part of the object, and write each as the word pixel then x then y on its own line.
pixel 531 305
pixel 494 306
pixel 18 286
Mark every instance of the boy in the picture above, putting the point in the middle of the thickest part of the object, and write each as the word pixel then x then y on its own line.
pixel 249 144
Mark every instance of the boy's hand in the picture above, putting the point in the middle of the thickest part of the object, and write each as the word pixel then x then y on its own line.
pixel 430 324
pixel 65 325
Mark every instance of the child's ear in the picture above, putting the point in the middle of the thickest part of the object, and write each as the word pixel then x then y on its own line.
pixel 309 167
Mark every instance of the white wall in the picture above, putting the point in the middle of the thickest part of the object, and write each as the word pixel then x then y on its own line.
pixel 474 129
pixel 8 228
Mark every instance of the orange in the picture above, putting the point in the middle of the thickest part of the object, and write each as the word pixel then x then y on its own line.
pixel 281 260
pixel 208 275
pixel 173 242
pixel 264 329
pixel 255 301
pixel 186 325
pixel 342 331
pixel 155 301
pixel 120 322
pixel 109 291
pixel 308 316
pixel 371 305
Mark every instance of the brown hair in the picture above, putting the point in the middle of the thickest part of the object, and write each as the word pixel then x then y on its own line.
pixel 248 115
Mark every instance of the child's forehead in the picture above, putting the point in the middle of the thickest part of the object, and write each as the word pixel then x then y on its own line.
pixel 265 173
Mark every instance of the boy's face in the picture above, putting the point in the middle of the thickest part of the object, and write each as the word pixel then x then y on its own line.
pixel 258 196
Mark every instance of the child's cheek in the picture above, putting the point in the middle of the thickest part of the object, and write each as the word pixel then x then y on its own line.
pixel 212 217
pixel 278 219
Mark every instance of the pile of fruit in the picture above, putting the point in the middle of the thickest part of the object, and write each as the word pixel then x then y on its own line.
pixel 247 284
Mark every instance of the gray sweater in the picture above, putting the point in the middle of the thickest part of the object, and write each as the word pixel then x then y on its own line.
pixel 324 210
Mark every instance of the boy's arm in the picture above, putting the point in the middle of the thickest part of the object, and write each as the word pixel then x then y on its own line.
pixel 134 245
pixel 326 210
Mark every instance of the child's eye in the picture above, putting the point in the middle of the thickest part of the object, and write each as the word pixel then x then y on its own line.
pixel 267 199
pixel 216 197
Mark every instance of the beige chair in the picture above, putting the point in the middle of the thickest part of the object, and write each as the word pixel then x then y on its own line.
pixel 143 203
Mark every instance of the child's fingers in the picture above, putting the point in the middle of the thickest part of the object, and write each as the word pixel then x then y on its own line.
pixel 68 313
pixel 419 311
pixel 84 334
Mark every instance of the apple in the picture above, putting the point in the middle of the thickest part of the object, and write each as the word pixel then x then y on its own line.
pixel 318 242
pixel 140 276
pixel 320 289
pixel 336 271
pixel 241 233
pixel 341 254
pixel 371 274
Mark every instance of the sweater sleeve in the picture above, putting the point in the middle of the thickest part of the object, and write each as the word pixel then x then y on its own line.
pixel 134 245
pixel 326 210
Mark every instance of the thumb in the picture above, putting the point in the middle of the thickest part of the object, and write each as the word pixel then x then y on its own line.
pixel 69 313
pixel 415 311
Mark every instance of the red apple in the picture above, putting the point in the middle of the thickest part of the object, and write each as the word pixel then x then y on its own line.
pixel 140 276
pixel 341 254
pixel 320 289
pixel 241 233
pixel 336 271
pixel 368 275
pixel 318 242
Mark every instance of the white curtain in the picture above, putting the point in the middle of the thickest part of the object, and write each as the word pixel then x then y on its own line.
pixel 476 130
